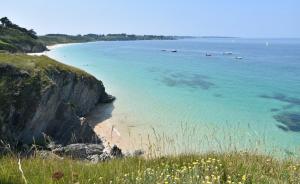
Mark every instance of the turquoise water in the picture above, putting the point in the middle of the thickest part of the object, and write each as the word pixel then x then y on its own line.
pixel 254 101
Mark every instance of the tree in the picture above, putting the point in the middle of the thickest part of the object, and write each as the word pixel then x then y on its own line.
pixel 5 22
pixel 32 33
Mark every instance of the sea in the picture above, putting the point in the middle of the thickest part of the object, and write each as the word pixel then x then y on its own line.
pixel 199 95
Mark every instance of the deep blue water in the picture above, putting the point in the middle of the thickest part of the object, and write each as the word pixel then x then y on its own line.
pixel 244 103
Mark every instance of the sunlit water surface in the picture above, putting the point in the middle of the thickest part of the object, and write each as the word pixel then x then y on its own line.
pixel 246 102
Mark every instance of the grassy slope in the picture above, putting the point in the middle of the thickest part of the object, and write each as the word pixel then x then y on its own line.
pixel 37 63
pixel 14 40
pixel 224 168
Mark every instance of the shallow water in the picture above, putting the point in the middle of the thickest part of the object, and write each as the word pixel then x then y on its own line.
pixel 254 101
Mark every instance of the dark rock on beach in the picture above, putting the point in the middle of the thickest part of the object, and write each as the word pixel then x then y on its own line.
pixel 79 151
pixel 89 152
pixel 116 152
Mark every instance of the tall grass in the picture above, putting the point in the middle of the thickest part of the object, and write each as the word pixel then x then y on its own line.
pixel 205 168
pixel 163 163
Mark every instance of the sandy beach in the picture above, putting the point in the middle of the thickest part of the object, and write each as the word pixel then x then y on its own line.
pixel 50 47
pixel 114 131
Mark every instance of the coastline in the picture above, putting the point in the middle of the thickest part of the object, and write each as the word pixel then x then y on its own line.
pixel 50 47
pixel 125 131
pixel 106 129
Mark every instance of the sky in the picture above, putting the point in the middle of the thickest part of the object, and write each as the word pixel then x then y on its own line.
pixel 240 18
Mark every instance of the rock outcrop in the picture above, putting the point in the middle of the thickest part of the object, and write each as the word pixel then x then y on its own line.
pixel 40 98
pixel 93 153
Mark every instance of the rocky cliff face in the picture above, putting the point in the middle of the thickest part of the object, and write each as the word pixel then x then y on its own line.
pixel 46 100
pixel 31 46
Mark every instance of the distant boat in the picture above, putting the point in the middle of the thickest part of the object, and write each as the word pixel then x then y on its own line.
pixel 168 50
pixel 227 53
pixel 207 54
pixel 238 57
pixel 267 44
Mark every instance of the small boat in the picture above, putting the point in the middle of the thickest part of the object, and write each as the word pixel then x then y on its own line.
pixel 164 50
pixel 173 50
pixel 267 44
pixel 238 57
pixel 227 53
pixel 207 54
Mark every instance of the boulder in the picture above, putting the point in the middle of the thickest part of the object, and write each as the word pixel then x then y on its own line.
pixel 116 152
pixel 80 151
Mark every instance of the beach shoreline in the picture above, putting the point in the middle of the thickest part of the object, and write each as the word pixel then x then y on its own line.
pixel 106 129
pixel 51 47
pixel 112 129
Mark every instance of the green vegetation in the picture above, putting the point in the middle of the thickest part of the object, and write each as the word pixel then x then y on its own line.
pixel 14 38
pixel 52 39
pixel 21 81
pixel 17 39
pixel 37 64
pixel 208 168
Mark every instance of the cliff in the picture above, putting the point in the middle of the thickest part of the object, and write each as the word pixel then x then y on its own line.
pixel 40 96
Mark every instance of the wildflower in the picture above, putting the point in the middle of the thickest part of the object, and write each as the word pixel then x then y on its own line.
pixel 244 177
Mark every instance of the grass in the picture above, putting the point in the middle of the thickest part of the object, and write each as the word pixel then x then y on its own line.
pixel 7 47
pixel 14 40
pixel 206 168
pixel 37 63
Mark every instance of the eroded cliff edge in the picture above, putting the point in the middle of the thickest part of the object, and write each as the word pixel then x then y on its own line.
pixel 41 97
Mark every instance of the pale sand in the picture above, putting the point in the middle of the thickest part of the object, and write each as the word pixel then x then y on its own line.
pixel 50 48
pixel 114 129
